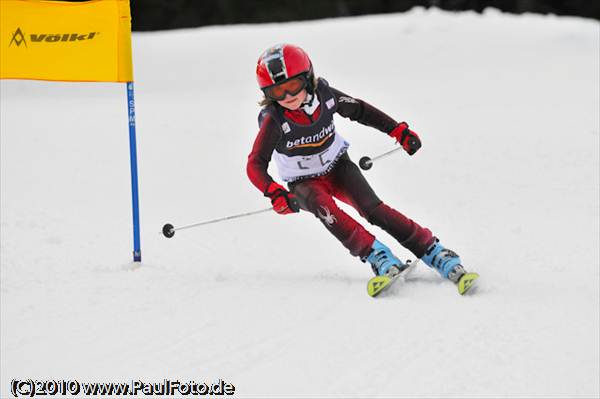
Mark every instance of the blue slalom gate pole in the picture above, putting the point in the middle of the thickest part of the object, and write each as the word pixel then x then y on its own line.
pixel 137 252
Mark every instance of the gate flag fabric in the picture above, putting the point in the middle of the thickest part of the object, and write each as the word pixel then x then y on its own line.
pixel 67 41
pixel 87 41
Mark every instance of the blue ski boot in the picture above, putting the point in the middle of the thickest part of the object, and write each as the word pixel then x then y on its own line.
pixel 448 264
pixel 382 261
pixel 444 261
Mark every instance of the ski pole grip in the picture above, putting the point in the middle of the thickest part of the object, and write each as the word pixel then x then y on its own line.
pixel 294 205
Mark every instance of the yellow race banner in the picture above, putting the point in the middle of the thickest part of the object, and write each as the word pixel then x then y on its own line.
pixel 66 41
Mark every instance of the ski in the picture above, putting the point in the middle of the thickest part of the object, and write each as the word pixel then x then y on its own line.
pixel 379 284
pixel 466 282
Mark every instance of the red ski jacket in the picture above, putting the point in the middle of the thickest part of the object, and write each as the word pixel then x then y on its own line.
pixel 270 132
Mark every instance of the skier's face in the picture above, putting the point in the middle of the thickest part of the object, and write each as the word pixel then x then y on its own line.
pixel 293 102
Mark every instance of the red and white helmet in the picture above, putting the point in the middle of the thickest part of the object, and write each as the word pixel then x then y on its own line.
pixel 282 62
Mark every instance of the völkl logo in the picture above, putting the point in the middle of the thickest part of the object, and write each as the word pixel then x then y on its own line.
pixel 18 38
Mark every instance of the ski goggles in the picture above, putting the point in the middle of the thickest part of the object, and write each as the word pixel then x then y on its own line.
pixel 292 87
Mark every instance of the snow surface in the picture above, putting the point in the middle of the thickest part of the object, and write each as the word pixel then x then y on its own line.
pixel 508 176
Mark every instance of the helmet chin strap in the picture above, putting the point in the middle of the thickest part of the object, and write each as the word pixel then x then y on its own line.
pixel 311 103
pixel 309 99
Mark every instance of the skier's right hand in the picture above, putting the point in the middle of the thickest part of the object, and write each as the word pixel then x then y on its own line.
pixel 283 201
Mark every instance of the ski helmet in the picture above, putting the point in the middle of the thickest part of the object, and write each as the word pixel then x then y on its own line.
pixel 283 62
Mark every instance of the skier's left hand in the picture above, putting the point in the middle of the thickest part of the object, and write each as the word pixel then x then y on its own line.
pixel 407 138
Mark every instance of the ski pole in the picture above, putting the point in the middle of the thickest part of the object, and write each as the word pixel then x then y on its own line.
pixel 169 230
pixel 366 163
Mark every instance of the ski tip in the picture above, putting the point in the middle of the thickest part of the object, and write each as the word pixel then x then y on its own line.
pixel 377 284
pixel 467 282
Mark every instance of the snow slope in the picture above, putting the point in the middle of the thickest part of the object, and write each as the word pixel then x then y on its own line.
pixel 508 176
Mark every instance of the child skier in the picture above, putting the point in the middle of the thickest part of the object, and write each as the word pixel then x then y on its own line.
pixel 297 130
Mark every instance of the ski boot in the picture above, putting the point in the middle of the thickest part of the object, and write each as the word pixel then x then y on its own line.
pixel 448 264
pixel 383 262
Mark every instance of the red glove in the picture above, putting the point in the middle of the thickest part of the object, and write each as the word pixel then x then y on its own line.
pixel 407 138
pixel 283 201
